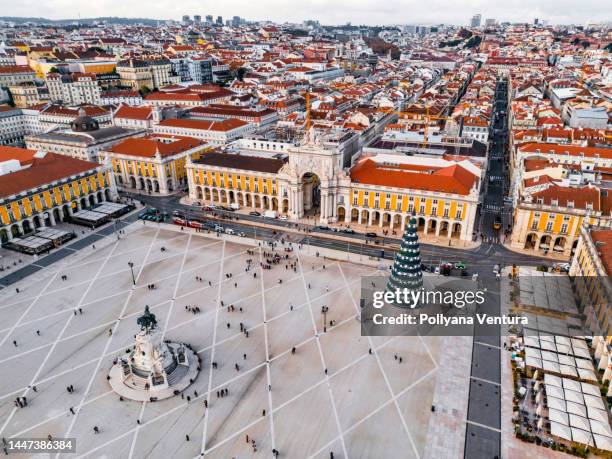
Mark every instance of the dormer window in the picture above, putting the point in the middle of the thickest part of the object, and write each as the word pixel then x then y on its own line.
pixel 570 204
pixel 589 206
pixel 540 201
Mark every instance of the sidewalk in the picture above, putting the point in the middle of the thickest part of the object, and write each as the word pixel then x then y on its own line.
pixel 534 253
pixel 303 223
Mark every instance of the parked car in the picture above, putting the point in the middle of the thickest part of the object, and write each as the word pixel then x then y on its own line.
pixel 255 213
pixel 460 265
pixel 229 231
pixel 323 228
pixel 283 217
pixel 219 229
pixel 270 214
pixel 348 231
pixel 373 235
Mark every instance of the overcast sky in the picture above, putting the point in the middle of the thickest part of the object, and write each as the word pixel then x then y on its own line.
pixel 326 11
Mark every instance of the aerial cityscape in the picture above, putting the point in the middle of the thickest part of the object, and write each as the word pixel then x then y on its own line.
pixel 306 231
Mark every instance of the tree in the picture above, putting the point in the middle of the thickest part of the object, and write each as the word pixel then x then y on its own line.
pixel 53 70
pixel 241 72
pixel 465 34
pixel 406 270
pixel 474 42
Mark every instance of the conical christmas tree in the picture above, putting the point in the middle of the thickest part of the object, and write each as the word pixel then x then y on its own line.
pixel 406 271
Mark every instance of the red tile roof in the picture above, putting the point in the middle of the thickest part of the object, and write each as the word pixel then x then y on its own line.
pixel 572 150
pixel 452 179
pixel 221 125
pixel 136 113
pixel 580 196
pixel 50 168
pixel 603 241
pixel 15 69
pixel 23 155
pixel 148 146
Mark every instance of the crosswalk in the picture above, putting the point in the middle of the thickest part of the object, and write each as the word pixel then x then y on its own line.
pixel 493 207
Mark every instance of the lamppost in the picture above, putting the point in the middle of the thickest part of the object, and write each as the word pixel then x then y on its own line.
pixel 131 265
pixel 324 310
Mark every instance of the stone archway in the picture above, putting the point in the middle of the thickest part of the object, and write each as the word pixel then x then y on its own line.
pixel 444 228
pixel 207 195
pixel 397 221
pixel 37 221
pixel 274 204
pixel 341 214
pixel 92 201
pixel 311 193
pixel 456 231
pixel 375 218
pixel 421 225
pixel 215 195
pixel 545 242
pixel 560 244
pixel 27 227
pixel 285 206
pixel 431 226
pixel 574 247
pixel 199 194
pixel 530 241
pixel 15 231
pixel 365 215
pixel 354 215
pixel 132 182
pixel 3 235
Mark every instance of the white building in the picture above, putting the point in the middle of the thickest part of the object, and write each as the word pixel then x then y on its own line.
pixel 78 88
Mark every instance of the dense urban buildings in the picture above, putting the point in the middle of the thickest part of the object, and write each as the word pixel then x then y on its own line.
pixel 191 210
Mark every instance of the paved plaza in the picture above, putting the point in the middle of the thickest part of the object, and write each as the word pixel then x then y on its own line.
pixel 331 394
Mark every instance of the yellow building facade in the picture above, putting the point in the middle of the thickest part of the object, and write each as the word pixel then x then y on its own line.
pixel 50 203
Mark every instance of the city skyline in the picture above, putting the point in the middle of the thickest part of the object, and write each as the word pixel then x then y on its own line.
pixel 360 12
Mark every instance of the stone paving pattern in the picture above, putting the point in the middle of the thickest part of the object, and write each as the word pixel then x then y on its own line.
pixel 366 406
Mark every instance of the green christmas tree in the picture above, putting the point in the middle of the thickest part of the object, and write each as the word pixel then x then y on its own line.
pixel 406 271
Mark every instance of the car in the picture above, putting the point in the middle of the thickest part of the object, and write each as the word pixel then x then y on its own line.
pixel 437 270
pixel 229 231
pixel 283 217
pixel 460 265
pixel 348 231
pixel 371 235
pixel 241 234
pixel 255 213
pixel 496 269
pixel 323 228
pixel 219 229
pixel 561 267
